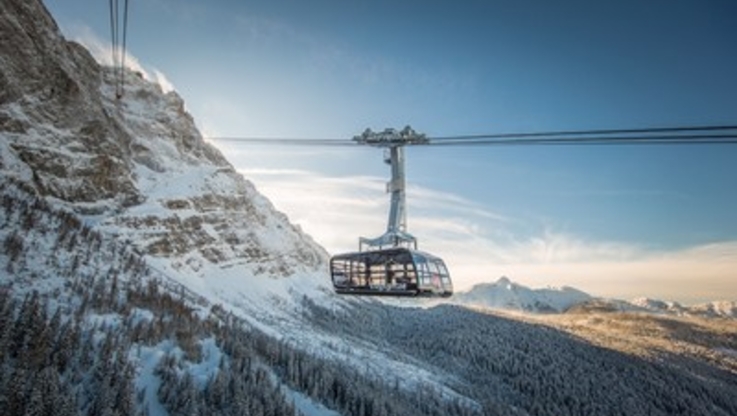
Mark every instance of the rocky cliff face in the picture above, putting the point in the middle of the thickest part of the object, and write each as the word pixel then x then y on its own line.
pixel 135 168
pixel 56 131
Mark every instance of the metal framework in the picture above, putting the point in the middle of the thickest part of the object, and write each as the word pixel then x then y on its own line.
pixel 393 141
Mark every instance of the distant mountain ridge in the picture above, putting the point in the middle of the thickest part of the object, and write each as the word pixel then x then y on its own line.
pixel 507 295
pixel 719 308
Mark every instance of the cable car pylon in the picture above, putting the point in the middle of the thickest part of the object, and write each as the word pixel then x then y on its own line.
pixel 393 141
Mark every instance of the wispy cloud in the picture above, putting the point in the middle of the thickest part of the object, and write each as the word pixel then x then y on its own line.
pixel 433 199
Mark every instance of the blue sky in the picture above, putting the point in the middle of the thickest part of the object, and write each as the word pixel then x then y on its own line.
pixel 616 221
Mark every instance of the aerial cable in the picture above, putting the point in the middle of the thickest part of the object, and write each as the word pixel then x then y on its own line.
pixel 118 46
pixel 114 36
pixel 125 35
pixel 661 139
pixel 722 134
pixel 286 141
pixel 718 134
pixel 596 132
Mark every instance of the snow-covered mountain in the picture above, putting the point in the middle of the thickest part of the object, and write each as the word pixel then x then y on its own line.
pixel 715 309
pixel 137 169
pixel 723 309
pixel 505 294
pixel 140 274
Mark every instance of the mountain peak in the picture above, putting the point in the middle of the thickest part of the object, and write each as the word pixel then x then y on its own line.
pixel 504 281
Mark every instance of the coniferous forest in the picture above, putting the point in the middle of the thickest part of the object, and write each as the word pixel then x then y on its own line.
pixel 82 361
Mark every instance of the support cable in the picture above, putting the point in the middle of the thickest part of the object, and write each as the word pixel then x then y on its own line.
pixel 119 43
pixel 123 53
pixel 683 135
pixel 595 132
pixel 114 39
pixel 690 139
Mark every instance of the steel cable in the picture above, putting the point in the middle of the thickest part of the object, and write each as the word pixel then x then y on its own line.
pixel 722 134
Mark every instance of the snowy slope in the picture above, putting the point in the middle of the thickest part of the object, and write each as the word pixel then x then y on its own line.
pixel 505 294
pixel 200 221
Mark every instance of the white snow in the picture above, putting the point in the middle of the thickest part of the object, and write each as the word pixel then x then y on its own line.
pixel 146 360
pixel 305 405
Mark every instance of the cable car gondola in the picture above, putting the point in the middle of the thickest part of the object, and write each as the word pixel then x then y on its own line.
pixel 391 265
pixel 396 271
